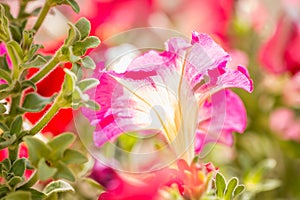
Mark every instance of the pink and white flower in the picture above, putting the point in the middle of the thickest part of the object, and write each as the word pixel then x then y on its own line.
pixel 179 93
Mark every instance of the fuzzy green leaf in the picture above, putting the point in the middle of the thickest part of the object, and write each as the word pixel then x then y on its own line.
pixel 16 52
pixel 6 164
pixel 14 181
pixel 18 168
pixel 2 109
pixel 80 48
pixel 34 102
pixel 17 195
pixel 7 141
pixel 16 125
pixel 88 63
pixel 74 5
pixel 87 84
pixel 37 62
pixel 69 83
pixel 64 172
pixel 3 190
pixel 37 149
pixel 73 36
pixel 220 185
pixel 5 75
pixel 44 171
pixel 28 83
pixel 73 157
pixel 230 188
pixel 238 190
pixel 84 26
pixel 59 144
pixel 92 105
pixel 58 186
pixel 36 195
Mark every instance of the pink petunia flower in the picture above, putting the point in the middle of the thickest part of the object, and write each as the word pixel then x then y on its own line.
pixel 178 93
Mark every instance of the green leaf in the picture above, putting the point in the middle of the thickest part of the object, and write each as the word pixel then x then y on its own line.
pixel 92 105
pixel 34 102
pixel 69 83
pixel 87 84
pixel 4 64
pixel 2 109
pixel 73 36
pixel 17 195
pixel 78 96
pixel 88 63
pixel 34 48
pixel 73 157
pixel 220 185
pixel 37 62
pixel 84 26
pixel 6 164
pixel 7 141
pixel 58 186
pixel 74 5
pixel 59 144
pixel 28 83
pixel 238 190
pixel 16 125
pixel 37 149
pixel 36 195
pixel 230 188
pixel 44 171
pixel 27 40
pixel 14 181
pixel 64 172
pixel 3 190
pixel 5 75
pixel 16 52
pixel 4 25
pixel 18 168
pixel 80 48
pixel 93 183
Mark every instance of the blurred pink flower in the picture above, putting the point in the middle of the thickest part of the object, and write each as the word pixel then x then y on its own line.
pixel 280 53
pixel 284 123
pixel 173 87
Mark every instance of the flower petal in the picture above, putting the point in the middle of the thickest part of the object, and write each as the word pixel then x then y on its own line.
pixel 218 119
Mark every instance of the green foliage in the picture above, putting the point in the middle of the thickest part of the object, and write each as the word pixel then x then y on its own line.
pixel 34 102
pixel 227 190
pixel 53 157
pixel 73 91
pixel 58 186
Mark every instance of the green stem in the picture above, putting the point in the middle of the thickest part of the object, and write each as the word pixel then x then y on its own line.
pixel 46 69
pixel 14 105
pixel 33 179
pixel 46 118
pixel 13 152
pixel 22 8
pixel 42 16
